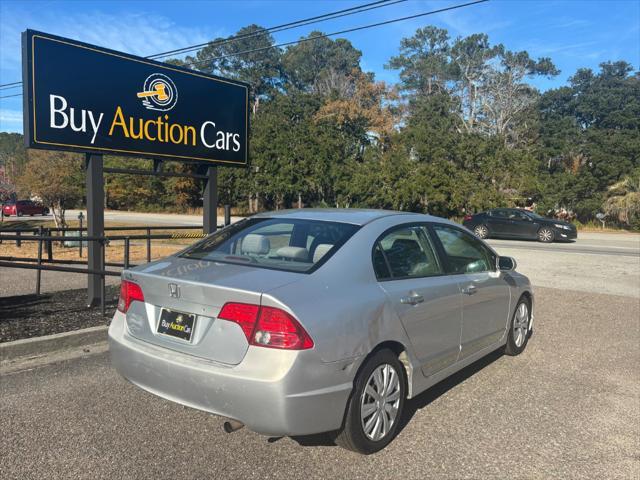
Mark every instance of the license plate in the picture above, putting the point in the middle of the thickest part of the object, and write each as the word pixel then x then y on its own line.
pixel 176 324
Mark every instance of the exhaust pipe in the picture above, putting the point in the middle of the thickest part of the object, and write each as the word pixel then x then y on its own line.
pixel 231 426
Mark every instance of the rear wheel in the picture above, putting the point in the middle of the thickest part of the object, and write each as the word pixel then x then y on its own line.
pixel 518 334
pixel 375 408
pixel 481 231
pixel 546 235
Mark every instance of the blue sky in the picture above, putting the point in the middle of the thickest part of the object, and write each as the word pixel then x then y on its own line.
pixel 574 33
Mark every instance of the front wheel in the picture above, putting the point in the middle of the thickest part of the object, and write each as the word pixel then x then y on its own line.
pixel 375 408
pixel 518 334
pixel 481 231
pixel 545 235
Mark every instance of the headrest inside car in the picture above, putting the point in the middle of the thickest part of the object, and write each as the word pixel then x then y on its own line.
pixel 294 253
pixel 255 244
pixel 321 250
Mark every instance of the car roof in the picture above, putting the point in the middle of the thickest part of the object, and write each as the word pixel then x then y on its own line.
pixel 355 216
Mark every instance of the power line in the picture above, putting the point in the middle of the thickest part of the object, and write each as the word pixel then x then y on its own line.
pixel 316 37
pixel 14 95
pixel 286 26
pixel 349 30
pixel 278 28
pixel 10 85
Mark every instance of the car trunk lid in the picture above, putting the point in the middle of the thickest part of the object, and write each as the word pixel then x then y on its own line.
pixel 196 290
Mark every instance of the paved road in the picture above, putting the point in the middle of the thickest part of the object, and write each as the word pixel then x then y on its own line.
pixel 597 262
pixel 134 218
pixel 566 408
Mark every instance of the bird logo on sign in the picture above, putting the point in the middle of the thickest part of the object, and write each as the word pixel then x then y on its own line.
pixel 158 93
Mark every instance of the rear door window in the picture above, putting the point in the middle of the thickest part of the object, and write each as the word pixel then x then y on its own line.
pixel 465 253
pixel 405 252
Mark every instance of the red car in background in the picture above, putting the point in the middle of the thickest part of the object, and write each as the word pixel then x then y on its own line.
pixel 24 207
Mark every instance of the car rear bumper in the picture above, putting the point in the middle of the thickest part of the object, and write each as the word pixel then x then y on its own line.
pixel 272 392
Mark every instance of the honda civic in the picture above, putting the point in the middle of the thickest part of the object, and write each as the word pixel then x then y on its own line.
pixel 307 321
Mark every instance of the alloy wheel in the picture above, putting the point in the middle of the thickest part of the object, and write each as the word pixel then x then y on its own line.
pixel 521 324
pixel 380 401
pixel 545 235
pixel 481 231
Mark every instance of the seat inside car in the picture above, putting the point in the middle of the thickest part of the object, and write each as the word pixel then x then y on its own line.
pixel 406 258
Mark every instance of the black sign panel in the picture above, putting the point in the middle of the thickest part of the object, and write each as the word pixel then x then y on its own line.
pixel 84 98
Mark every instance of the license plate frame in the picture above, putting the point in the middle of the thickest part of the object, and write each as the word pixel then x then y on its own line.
pixel 176 324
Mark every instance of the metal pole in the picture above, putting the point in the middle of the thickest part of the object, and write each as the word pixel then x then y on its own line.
pixel 95 225
pixel 210 201
pixel 18 241
pixel 39 272
pixel 80 218
pixel 148 245
pixel 49 246
pixel 227 215
pixel 126 253
pixel 102 281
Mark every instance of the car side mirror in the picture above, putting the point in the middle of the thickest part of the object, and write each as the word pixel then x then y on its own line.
pixel 507 264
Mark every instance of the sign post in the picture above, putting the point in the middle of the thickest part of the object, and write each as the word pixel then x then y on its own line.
pixel 210 202
pixel 95 225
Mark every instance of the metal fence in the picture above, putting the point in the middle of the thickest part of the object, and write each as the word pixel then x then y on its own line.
pixel 46 237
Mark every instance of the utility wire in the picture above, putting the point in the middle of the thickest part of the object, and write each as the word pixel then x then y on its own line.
pixel 14 95
pixel 278 28
pixel 286 26
pixel 316 37
pixel 10 85
pixel 325 35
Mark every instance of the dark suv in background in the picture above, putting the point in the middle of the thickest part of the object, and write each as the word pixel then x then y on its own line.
pixel 517 223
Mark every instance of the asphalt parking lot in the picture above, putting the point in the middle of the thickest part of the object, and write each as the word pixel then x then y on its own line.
pixel 569 407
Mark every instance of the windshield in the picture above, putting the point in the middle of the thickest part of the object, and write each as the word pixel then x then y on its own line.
pixel 278 243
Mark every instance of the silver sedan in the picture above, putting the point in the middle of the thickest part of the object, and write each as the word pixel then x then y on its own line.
pixel 306 321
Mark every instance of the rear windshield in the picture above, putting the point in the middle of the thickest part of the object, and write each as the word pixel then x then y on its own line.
pixel 282 244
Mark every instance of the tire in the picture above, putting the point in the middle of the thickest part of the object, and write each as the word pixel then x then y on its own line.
pixel 546 235
pixel 362 435
pixel 481 231
pixel 519 333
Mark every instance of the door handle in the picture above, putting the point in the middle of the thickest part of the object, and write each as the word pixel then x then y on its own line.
pixel 470 290
pixel 412 299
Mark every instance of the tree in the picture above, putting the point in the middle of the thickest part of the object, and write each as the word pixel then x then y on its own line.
pixel 424 62
pixel 56 178
pixel 260 66
pixel 623 202
pixel 321 66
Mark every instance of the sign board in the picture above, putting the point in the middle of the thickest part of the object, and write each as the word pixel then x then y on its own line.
pixel 80 97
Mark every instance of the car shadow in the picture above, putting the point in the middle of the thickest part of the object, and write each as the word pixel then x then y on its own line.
pixel 411 406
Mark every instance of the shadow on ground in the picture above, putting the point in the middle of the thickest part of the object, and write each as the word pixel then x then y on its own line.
pixel 411 406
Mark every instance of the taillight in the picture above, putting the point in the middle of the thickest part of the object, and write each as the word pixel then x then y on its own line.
pixel 129 292
pixel 468 217
pixel 244 314
pixel 267 326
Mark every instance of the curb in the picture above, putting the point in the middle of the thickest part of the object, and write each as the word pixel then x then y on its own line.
pixel 49 343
